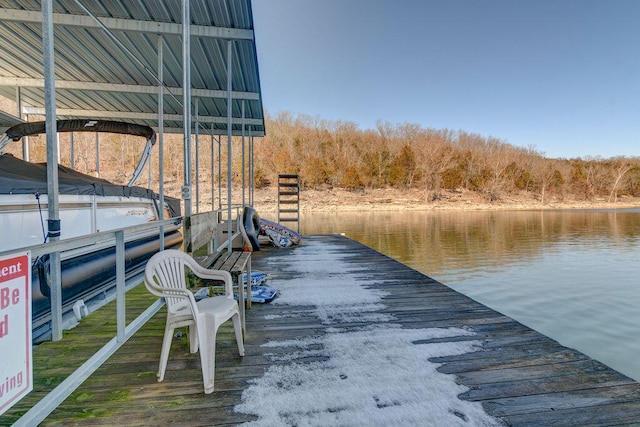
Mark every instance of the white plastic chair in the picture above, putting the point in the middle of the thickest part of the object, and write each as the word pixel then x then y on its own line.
pixel 165 276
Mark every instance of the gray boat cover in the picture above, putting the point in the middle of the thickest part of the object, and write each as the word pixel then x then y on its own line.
pixel 20 177
pixel 16 132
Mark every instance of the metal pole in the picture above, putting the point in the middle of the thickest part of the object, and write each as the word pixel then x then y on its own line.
pixel 186 112
pixel 97 154
pixel 18 102
pixel 72 155
pixel 213 169
pixel 251 170
pixel 25 140
pixel 58 156
pixel 53 221
pixel 243 158
pixel 196 132
pixel 229 135
pixel 220 172
pixel 150 170
pixel 161 134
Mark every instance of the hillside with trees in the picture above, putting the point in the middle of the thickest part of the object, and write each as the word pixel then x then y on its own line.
pixel 402 156
pixel 337 154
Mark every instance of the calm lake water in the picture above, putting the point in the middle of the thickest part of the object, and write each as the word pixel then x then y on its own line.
pixel 571 275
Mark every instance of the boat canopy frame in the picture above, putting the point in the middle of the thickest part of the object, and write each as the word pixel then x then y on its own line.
pixel 121 61
pixel 19 131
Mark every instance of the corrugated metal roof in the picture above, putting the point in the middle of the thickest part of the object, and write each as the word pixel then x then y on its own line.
pixel 97 78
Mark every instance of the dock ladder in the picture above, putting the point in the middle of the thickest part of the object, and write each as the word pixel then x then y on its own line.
pixel 289 199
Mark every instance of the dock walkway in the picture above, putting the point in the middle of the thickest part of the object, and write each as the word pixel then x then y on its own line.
pixel 355 338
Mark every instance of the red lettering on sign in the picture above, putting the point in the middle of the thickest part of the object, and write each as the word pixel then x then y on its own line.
pixel 13 268
pixel 4 298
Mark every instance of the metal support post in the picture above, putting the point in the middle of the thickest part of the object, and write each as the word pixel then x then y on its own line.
pixel 243 159
pixel 186 112
pixel 52 167
pixel 196 131
pixel 161 134
pixel 229 135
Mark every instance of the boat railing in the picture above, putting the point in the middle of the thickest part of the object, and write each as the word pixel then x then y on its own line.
pixel 123 331
pixel 102 237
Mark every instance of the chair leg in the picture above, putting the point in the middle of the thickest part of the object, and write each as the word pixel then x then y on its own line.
pixel 164 354
pixel 193 338
pixel 207 340
pixel 237 326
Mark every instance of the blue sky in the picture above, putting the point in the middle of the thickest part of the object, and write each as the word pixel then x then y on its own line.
pixel 562 76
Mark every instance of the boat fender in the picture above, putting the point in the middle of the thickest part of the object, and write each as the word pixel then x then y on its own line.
pixel 42 267
pixel 251 223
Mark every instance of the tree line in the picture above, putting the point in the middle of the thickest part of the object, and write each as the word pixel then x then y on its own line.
pixel 329 153
pixel 338 153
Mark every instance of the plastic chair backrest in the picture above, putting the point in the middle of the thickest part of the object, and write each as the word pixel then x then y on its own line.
pixel 165 276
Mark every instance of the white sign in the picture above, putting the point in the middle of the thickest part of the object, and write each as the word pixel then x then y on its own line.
pixel 16 368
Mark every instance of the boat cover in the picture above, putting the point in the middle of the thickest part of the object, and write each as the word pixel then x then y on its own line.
pixel 15 133
pixel 20 177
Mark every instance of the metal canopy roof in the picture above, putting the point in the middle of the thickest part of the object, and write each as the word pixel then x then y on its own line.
pixel 106 61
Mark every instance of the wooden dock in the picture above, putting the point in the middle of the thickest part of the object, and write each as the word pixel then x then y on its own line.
pixel 516 375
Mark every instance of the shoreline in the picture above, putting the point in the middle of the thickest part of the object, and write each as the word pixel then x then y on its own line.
pixel 340 200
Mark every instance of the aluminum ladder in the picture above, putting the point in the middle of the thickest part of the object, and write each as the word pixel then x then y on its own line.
pixel 289 199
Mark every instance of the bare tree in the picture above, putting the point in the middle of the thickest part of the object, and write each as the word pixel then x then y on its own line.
pixel 622 166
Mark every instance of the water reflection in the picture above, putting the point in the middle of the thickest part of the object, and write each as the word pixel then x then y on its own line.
pixel 572 275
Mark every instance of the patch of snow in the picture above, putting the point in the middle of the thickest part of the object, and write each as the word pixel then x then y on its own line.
pixel 374 375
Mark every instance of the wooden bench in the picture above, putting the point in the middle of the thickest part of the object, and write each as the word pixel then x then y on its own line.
pixel 200 230
pixel 235 262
